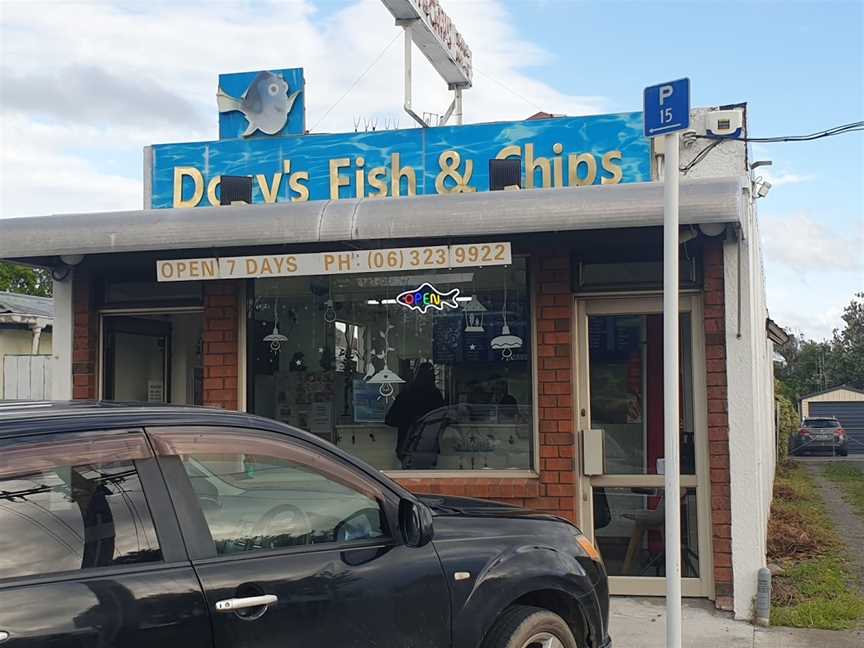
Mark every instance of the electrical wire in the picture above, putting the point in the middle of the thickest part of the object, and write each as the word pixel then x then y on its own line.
pixel 719 139
pixel 701 155
pixel 510 90
pixel 357 80
pixel 830 132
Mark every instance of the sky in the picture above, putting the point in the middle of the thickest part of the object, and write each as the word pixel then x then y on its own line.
pixel 85 86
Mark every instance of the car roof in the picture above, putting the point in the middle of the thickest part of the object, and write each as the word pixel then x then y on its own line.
pixel 22 417
pixel 820 418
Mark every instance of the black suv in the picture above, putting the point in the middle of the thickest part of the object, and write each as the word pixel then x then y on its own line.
pixel 131 525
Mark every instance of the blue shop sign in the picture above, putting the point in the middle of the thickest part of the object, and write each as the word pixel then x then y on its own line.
pixel 289 166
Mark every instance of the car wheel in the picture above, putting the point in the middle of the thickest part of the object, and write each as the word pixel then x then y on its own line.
pixel 523 626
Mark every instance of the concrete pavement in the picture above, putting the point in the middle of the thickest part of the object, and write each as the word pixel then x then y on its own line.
pixel 639 623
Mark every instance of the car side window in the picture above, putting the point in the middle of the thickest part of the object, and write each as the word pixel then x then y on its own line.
pixel 261 491
pixel 73 501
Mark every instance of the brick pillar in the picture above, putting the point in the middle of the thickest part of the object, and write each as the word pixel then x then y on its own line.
pixel 221 327
pixel 718 423
pixel 554 312
pixel 85 338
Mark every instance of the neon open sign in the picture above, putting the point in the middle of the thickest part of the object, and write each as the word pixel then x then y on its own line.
pixel 427 296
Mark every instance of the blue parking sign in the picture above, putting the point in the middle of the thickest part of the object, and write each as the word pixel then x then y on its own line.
pixel 667 107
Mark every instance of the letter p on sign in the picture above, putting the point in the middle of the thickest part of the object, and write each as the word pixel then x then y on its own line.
pixel 665 92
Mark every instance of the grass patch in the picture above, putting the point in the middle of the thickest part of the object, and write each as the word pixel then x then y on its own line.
pixel 813 590
pixel 850 479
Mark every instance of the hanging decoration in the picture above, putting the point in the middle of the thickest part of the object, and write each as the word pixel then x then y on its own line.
pixel 506 342
pixel 298 362
pixel 386 377
pixel 329 311
pixel 275 338
pixel 474 315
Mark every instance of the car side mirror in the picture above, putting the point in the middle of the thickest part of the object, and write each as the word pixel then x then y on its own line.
pixel 415 521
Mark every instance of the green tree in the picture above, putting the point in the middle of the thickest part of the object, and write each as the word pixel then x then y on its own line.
pixel 813 366
pixel 787 420
pixel 22 279
pixel 846 364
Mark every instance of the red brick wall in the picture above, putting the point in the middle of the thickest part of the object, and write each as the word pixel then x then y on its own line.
pixel 718 423
pixel 221 327
pixel 554 490
pixel 85 338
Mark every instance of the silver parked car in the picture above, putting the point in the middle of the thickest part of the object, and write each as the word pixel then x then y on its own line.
pixel 823 433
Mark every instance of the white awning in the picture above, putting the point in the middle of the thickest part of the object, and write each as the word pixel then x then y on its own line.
pixel 499 213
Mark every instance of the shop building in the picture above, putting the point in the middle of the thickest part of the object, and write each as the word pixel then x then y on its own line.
pixel 369 259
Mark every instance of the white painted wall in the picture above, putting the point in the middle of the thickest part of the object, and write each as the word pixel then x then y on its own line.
pixel 20 342
pixel 61 383
pixel 752 457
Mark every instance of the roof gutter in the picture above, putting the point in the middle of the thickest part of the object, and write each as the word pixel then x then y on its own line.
pixel 715 200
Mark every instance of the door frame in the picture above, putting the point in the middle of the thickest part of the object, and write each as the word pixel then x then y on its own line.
pixel 101 371
pixel 691 303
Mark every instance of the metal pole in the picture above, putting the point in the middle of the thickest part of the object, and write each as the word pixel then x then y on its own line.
pixel 458 98
pixel 670 392
pixel 409 40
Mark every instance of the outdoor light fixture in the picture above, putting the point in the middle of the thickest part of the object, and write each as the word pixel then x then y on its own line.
pixel 71 260
pixel 761 187
pixel 505 174
pixel 234 189
pixel 712 229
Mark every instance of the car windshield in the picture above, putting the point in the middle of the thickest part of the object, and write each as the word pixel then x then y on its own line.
pixel 821 423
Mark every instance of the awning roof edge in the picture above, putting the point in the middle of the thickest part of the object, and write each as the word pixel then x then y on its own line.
pixel 714 200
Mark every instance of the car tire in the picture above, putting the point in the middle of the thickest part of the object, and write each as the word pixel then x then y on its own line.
pixel 524 626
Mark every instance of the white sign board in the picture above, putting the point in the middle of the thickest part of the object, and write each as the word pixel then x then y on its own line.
pixel 432 257
pixel 437 37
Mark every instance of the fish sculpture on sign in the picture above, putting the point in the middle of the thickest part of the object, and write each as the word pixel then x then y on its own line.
pixel 266 103
pixel 427 296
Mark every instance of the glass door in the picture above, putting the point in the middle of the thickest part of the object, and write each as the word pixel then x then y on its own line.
pixel 152 358
pixel 620 347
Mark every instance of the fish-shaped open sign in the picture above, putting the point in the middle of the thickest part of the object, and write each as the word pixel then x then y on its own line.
pixel 427 296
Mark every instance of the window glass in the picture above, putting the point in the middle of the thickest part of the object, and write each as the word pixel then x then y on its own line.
pixel 821 423
pixel 398 386
pixel 629 528
pixel 626 382
pixel 263 492
pixel 71 502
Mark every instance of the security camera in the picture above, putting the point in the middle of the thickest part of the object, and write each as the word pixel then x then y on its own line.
pixel 762 188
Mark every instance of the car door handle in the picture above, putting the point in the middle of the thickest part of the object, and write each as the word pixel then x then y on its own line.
pixel 229 605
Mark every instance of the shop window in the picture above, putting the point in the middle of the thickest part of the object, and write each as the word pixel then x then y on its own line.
pixel 401 387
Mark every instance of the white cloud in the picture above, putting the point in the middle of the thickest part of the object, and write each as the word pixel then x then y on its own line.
pixel 800 241
pixel 83 83
pixel 785 178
